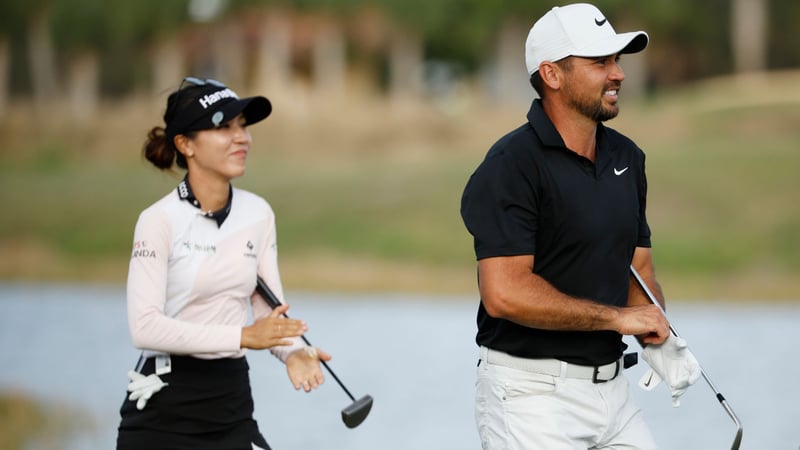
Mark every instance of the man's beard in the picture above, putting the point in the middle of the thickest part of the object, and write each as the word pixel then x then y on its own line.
pixel 592 107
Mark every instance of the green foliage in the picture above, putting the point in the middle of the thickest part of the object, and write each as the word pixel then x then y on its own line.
pixel 784 17
pixel 689 39
pixel 97 24
pixel 14 13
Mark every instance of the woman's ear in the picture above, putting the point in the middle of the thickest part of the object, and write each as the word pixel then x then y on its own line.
pixel 184 145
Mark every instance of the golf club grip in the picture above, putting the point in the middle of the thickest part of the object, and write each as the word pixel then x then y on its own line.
pixel 273 301
pixel 266 292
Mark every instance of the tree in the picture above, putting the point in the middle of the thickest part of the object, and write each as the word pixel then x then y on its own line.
pixel 749 34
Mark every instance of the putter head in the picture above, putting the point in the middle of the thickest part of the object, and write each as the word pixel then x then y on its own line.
pixel 354 414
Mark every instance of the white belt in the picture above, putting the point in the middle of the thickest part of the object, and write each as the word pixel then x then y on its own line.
pixel 163 362
pixel 554 367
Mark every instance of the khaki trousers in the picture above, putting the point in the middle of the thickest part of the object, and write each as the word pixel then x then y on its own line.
pixel 523 410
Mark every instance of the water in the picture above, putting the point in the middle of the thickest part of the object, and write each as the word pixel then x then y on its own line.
pixel 69 345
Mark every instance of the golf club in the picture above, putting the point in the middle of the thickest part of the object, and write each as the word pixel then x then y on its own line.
pixel 738 439
pixel 352 415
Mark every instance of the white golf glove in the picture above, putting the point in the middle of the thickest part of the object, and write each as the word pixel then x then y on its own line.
pixel 673 362
pixel 143 387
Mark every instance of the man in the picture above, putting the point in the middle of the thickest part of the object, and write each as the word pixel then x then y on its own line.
pixel 557 212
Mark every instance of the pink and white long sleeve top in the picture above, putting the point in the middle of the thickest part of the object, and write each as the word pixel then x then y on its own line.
pixel 191 279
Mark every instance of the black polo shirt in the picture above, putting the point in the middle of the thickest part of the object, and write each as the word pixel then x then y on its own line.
pixel 531 195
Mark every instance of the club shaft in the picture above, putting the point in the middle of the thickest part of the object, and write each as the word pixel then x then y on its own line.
pixel 274 302
pixel 739 429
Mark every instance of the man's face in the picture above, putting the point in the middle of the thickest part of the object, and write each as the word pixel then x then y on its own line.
pixel 592 86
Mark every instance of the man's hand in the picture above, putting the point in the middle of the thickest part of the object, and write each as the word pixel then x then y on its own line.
pixel 672 362
pixel 646 322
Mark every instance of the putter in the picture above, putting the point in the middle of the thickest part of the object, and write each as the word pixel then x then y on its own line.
pixel 353 414
pixel 736 440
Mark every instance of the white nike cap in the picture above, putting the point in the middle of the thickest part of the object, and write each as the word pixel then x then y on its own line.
pixel 577 30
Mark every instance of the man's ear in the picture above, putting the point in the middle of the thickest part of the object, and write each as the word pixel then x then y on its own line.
pixel 551 75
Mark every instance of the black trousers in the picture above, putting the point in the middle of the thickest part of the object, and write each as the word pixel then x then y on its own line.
pixel 206 405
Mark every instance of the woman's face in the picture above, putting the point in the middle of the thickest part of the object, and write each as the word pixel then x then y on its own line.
pixel 220 152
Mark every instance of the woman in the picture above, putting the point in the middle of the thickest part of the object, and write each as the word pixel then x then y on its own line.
pixel 196 255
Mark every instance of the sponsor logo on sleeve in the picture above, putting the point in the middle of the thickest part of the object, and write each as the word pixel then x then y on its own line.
pixel 140 250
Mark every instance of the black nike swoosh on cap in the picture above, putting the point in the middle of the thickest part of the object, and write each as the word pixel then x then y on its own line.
pixel 600 23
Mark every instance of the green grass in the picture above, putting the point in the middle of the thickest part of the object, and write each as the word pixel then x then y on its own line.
pixel 377 209
pixel 382 198
pixel 723 196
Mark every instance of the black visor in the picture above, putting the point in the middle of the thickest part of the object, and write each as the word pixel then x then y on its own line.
pixel 209 105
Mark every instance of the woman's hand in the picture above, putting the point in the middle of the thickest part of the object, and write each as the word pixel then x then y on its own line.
pixel 272 330
pixel 303 368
